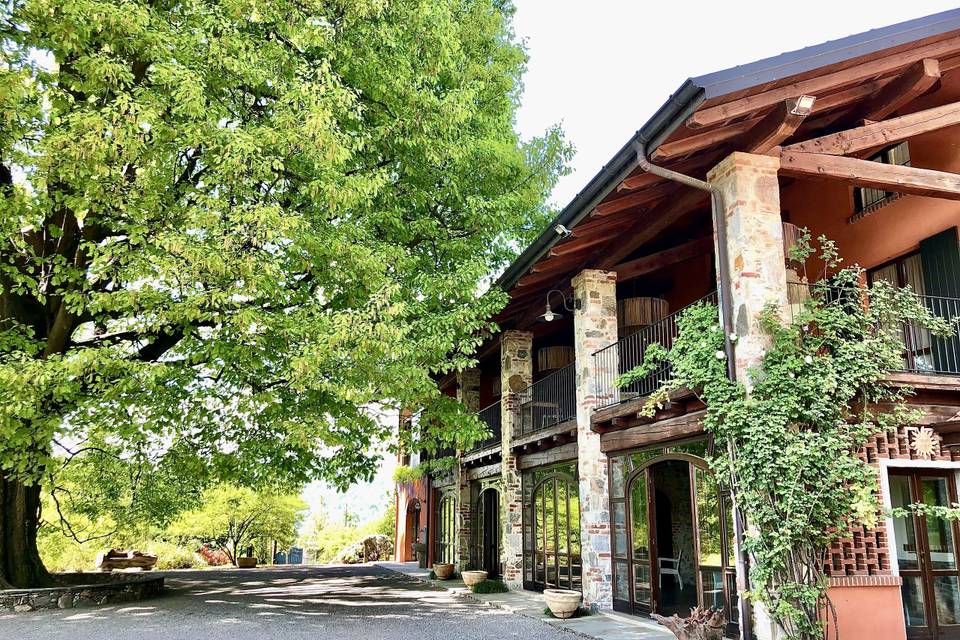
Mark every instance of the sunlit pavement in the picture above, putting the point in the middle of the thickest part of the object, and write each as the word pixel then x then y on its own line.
pixel 317 602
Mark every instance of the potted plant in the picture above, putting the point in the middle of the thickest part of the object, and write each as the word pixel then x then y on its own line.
pixel 246 562
pixel 472 578
pixel 443 570
pixel 563 603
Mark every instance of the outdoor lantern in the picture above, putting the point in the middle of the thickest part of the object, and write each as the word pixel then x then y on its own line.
pixel 549 315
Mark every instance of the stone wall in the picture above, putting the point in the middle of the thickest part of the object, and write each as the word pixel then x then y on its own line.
pixel 83 590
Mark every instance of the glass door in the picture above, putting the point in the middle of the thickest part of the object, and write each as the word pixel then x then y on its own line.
pixel 642 541
pixel 926 553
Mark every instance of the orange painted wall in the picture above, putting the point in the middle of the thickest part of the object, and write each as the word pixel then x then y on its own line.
pixel 406 494
pixel 867 613
pixel 897 228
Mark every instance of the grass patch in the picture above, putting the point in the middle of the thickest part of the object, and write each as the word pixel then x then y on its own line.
pixel 581 612
pixel 490 586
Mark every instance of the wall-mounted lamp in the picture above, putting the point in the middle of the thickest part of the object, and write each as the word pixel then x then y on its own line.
pixel 548 315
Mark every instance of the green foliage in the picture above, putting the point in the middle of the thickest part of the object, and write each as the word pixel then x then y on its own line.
pixel 231 518
pixel 324 539
pixel 490 586
pixel 789 447
pixel 404 474
pixel 229 228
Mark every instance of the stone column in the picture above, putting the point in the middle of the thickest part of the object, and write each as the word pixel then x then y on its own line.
pixel 594 327
pixel 468 393
pixel 755 258
pixel 516 374
pixel 756 276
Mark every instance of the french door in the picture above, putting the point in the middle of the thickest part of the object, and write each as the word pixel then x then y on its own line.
pixel 673 540
pixel 487 533
pixel 926 552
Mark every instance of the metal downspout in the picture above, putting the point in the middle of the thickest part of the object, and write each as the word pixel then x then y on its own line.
pixel 726 314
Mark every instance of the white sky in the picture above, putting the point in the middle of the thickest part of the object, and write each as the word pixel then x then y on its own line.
pixel 601 68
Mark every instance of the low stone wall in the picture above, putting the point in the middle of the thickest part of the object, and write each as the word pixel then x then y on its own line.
pixel 83 590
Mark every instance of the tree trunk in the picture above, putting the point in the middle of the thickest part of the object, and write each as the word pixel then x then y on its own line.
pixel 20 564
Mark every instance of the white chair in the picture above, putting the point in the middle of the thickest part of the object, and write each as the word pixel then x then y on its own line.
pixel 672 568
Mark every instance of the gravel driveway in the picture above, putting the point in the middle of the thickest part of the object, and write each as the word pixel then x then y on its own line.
pixel 320 603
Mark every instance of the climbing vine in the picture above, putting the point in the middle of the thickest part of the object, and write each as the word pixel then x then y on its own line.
pixel 788 438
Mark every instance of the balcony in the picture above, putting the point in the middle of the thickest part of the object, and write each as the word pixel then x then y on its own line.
pixel 923 353
pixel 628 353
pixel 547 402
pixel 490 416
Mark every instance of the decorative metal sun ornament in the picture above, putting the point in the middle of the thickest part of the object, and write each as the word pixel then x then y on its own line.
pixel 924 443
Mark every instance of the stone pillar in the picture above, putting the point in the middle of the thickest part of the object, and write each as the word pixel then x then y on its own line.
pixel 594 327
pixel 757 276
pixel 516 374
pixel 755 259
pixel 468 393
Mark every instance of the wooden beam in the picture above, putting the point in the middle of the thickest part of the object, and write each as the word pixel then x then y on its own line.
pixel 656 261
pixel 637 199
pixel 915 81
pixel 881 133
pixel 697 142
pixel 651 224
pixel 575 246
pixel 821 84
pixel 896 178
pixel 774 128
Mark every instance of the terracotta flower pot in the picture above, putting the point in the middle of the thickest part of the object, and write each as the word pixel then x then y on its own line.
pixel 246 563
pixel 443 570
pixel 471 578
pixel 563 603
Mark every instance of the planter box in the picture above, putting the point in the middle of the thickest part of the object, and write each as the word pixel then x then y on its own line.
pixel 443 570
pixel 563 603
pixel 246 563
pixel 471 578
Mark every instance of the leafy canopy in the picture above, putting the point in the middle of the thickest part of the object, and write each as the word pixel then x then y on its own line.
pixel 229 227
pixel 231 518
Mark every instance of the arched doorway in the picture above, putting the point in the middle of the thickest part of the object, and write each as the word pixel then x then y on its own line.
pixel 554 516
pixel 673 538
pixel 486 515
pixel 411 530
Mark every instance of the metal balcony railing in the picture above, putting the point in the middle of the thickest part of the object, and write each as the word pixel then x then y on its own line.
pixel 490 416
pixel 547 402
pixel 922 351
pixel 628 353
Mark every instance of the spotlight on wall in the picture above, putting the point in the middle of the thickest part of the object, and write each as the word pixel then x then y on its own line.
pixel 562 231
pixel 803 105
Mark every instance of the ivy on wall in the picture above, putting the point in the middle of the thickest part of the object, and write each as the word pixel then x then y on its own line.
pixel 789 445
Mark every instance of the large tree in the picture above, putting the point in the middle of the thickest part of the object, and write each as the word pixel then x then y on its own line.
pixel 231 225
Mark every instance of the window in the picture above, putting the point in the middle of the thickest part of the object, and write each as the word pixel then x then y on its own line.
pixel 865 198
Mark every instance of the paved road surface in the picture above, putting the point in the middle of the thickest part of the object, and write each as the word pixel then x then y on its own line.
pixel 320 603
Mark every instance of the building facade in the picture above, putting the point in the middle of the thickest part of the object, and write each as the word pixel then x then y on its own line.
pixel 857 139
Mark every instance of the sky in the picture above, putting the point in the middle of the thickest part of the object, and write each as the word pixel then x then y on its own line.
pixel 601 68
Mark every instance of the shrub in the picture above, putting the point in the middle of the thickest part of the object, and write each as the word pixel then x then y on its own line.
pixel 404 474
pixel 213 557
pixel 172 556
pixel 490 586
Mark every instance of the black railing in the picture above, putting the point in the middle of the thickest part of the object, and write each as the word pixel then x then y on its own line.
pixel 628 353
pixel 548 402
pixel 490 416
pixel 923 352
